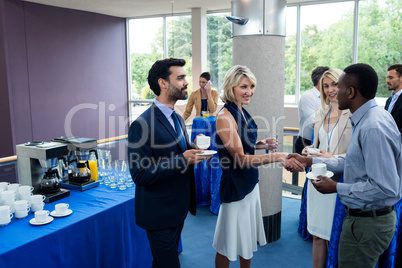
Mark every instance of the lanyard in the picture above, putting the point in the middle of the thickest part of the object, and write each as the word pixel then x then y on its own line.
pixel 329 137
pixel 354 127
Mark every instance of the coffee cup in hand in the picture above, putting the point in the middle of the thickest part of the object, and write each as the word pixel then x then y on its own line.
pixel 203 142
pixel 319 169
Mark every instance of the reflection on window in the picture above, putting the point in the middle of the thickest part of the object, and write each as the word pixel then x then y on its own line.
pixel 380 41
pixel 219 47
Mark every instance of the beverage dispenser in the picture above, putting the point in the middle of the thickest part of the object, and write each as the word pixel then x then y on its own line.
pixel 36 161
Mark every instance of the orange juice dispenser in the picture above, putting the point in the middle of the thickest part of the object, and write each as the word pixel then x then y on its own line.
pixel 93 164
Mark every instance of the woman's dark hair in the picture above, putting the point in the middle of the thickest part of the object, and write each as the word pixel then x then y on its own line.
pixel 363 78
pixel 160 69
pixel 206 75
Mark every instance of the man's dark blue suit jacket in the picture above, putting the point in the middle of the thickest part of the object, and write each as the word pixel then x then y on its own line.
pixel 165 185
pixel 396 111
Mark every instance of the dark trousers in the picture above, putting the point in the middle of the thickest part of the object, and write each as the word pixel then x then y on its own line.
pixel 164 244
pixel 300 143
pixel 364 239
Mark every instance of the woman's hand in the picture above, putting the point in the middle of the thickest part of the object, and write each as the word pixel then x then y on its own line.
pixel 321 154
pixel 267 144
pixel 208 87
pixel 290 163
pixel 304 151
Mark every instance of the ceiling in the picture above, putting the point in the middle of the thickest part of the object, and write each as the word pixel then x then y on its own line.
pixel 136 8
pixel 139 8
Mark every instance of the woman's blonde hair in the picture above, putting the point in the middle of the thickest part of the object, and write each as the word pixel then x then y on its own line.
pixel 332 74
pixel 232 79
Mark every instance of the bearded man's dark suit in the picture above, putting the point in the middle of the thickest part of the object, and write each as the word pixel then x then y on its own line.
pixel 396 111
pixel 165 184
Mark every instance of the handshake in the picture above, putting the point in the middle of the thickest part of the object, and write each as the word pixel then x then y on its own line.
pixel 297 163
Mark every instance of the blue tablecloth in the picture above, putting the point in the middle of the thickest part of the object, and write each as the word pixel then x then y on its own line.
pixel 208 172
pixel 101 232
pixel 391 258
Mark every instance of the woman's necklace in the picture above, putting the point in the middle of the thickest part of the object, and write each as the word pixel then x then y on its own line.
pixel 329 135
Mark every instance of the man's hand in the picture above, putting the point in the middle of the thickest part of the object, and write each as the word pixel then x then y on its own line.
pixel 294 161
pixel 192 158
pixel 325 185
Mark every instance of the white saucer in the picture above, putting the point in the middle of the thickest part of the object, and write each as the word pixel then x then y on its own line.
pixel 310 176
pixel 33 221
pixel 54 214
pixel 208 152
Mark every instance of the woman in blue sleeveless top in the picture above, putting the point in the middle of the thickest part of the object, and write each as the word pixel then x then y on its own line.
pixel 239 226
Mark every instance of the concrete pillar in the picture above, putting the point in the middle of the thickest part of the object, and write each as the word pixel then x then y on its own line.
pixel 199 46
pixel 261 47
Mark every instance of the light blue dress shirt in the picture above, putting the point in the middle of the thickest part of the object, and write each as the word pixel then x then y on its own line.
pixel 167 111
pixel 372 166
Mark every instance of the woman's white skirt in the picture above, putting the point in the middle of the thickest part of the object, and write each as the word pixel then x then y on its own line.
pixel 239 227
pixel 320 212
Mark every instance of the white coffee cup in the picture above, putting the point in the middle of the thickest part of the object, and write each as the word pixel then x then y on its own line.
pixel 312 150
pixel 26 197
pixel 61 208
pixel 5 210
pixel 4 185
pixel 37 207
pixel 203 142
pixel 37 198
pixel 7 195
pixel 4 220
pixel 21 213
pixel 21 205
pixel 41 215
pixel 25 190
pixel 319 169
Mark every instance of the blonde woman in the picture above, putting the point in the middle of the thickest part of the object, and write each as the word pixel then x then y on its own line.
pixel 203 99
pixel 239 225
pixel 332 135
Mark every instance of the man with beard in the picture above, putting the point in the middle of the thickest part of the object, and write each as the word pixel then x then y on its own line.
pixel 394 103
pixel 161 164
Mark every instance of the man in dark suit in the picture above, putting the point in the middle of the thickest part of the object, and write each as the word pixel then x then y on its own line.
pixel 394 103
pixel 161 164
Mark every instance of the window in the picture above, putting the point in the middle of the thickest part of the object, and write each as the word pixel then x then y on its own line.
pixel 290 54
pixel 219 47
pixel 327 38
pixel 380 41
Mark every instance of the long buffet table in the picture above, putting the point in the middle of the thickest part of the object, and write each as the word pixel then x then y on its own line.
pixel 101 232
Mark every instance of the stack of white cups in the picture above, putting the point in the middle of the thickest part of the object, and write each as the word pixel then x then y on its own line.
pixel 5 215
pixel 37 202
pixel 14 187
pixel 25 192
pixel 7 199
pixel 21 209
pixel 3 187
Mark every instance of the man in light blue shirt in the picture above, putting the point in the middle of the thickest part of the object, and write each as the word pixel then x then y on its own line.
pixel 372 171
